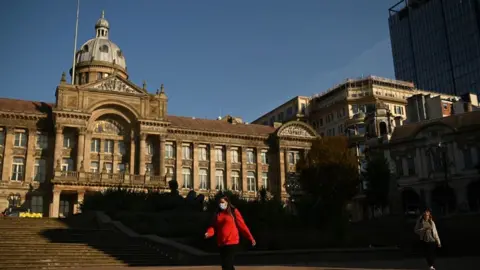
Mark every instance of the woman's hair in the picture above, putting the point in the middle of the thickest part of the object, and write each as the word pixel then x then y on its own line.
pixel 429 213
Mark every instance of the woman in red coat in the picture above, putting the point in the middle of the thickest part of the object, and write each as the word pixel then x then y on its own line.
pixel 228 224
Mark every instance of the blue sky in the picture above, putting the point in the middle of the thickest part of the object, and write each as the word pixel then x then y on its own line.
pixel 214 56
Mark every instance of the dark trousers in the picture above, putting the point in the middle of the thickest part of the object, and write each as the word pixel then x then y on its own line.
pixel 227 255
pixel 429 252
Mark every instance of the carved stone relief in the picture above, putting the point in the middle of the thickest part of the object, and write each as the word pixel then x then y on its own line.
pixel 170 162
pixel 116 85
pixel 187 163
pixel 236 166
pixel 203 164
pixel 219 165
pixel 295 131
pixel 251 167
pixel 19 151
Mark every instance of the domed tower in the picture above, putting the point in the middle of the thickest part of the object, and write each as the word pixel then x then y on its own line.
pixel 99 57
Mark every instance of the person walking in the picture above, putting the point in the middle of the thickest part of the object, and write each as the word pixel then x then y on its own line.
pixel 228 224
pixel 426 229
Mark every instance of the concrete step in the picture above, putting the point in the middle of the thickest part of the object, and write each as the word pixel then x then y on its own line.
pixel 92 251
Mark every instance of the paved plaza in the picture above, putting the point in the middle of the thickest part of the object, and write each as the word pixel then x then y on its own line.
pixel 466 263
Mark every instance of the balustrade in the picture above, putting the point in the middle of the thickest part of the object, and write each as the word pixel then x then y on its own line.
pixel 75 177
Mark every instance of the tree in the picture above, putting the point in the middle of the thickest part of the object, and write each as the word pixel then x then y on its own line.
pixel 377 175
pixel 329 177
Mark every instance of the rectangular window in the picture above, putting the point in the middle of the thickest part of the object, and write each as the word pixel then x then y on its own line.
pixel 18 169
pixel 411 166
pixel 187 178
pixel 280 117
pixel 265 180
pixel 68 141
pixel 149 169
pixel 108 167
pixel 67 165
pixel 121 148
pixel 2 137
pixel 170 173
pixel 95 145
pixel 186 152
pixel 108 146
pixel 42 141
pixel 39 170
pixel 121 168
pixel 20 139
pixel 399 167
pixel 235 180
pixel 289 111
pixel 264 157
pixel 354 108
pixel 250 157
pixel 203 175
pixel 251 185
pixel 293 158
pixel 202 153
pixel 235 157
pixel 169 151
pixel 467 158
pixel 220 185
pixel 150 150
pixel 36 204
pixel 219 155
pixel 94 166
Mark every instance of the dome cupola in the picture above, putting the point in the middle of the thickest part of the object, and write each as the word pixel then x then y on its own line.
pixel 99 57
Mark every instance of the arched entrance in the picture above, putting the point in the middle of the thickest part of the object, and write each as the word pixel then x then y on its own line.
pixel 411 202
pixel 443 199
pixel 473 195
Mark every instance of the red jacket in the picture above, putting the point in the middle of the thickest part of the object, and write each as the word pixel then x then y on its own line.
pixel 227 228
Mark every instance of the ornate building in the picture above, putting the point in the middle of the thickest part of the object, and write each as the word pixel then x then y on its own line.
pixel 104 131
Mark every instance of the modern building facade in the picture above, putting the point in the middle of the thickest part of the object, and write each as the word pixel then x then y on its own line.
pixel 104 131
pixel 294 109
pixel 436 44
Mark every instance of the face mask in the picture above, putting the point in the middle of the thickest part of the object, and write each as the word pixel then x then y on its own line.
pixel 223 206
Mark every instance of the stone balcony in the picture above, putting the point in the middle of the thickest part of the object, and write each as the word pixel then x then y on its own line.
pixel 108 179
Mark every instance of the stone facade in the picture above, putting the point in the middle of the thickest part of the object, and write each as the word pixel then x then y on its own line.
pixel 104 131
pixel 435 163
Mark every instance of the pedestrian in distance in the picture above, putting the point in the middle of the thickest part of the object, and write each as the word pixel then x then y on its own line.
pixel 426 229
pixel 228 224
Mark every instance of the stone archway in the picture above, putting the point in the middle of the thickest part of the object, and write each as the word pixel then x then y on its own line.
pixel 411 201
pixel 473 195
pixel 443 199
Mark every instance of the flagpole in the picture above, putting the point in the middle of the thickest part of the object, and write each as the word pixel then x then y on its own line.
pixel 75 45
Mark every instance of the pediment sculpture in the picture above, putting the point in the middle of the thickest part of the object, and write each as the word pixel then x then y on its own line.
pixel 116 85
pixel 295 131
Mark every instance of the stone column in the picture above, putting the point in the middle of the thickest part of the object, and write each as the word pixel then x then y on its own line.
pixel 162 158
pixel 30 162
pixel 55 204
pixel 213 184
pixel 259 182
pixel 86 151
pixel 80 198
pixel 8 153
pixel 178 163
pixel 143 148
pixel 244 170
pixel 115 156
pixel 425 162
pixel 283 169
pixel 81 147
pixel 418 163
pixel 461 196
pixel 228 167
pixel 58 145
pixel 101 156
pixel 195 167
pixel 459 163
pixel 132 154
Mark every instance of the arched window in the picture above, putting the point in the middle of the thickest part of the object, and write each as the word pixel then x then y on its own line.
pixel 104 48
pixel 85 48
pixel 108 126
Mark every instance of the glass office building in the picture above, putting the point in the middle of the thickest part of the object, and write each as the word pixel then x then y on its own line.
pixel 436 44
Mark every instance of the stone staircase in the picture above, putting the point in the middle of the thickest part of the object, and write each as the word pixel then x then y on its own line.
pixel 51 244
